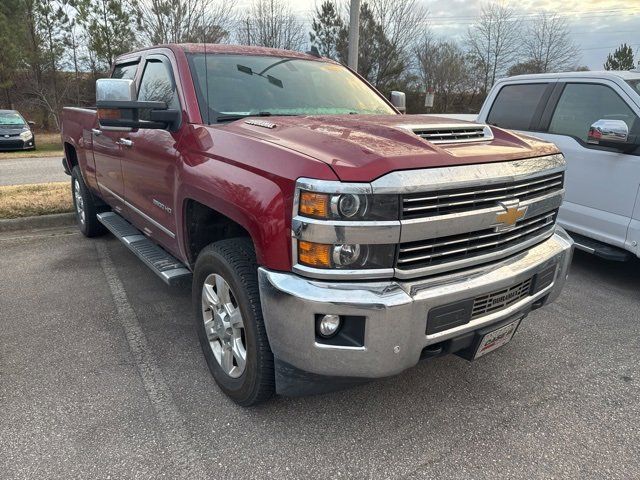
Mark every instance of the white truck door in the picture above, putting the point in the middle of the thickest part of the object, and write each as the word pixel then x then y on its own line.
pixel 601 184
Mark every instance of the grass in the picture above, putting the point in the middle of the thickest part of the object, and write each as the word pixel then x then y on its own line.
pixel 47 145
pixel 32 200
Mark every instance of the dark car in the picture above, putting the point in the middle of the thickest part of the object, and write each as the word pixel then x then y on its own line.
pixel 15 132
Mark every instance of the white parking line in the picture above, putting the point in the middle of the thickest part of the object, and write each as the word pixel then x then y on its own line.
pixel 183 453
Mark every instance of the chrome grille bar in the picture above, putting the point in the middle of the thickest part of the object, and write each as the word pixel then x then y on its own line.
pixel 436 251
pixel 416 206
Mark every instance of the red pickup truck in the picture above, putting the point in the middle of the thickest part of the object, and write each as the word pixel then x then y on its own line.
pixel 330 238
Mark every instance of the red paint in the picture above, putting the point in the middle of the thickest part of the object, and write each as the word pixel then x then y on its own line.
pixel 248 172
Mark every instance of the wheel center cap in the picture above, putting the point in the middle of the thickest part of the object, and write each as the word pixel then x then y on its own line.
pixel 222 327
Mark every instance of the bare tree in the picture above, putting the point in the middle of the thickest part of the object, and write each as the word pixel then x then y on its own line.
pixel 443 67
pixel 272 23
pixel 400 23
pixel 180 21
pixel 494 41
pixel 548 45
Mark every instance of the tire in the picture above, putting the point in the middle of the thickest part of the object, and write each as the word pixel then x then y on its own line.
pixel 85 206
pixel 234 261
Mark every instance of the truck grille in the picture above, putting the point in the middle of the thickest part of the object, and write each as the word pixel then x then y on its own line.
pixel 436 251
pixel 494 301
pixel 421 205
pixel 455 133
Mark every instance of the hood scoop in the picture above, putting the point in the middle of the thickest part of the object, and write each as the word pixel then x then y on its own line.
pixel 455 133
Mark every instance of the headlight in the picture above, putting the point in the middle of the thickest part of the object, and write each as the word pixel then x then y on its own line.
pixel 345 256
pixel 344 230
pixel 348 206
pixel 26 135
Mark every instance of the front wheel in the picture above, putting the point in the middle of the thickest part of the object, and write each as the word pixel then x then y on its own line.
pixel 228 317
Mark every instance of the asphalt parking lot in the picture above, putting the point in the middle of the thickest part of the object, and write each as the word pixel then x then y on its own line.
pixel 101 376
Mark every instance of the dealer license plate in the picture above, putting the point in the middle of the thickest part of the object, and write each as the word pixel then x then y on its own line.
pixel 496 339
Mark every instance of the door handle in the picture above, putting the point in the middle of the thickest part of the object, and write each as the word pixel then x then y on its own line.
pixel 96 132
pixel 125 142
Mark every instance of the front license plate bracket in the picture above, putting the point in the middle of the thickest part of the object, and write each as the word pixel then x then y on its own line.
pixel 483 343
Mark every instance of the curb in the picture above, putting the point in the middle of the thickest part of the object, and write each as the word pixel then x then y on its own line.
pixel 39 222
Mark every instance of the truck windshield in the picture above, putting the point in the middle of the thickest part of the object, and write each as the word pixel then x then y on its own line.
pixel 232 86
pixel 11 118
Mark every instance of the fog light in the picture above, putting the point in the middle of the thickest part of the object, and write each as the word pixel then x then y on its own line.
pixel 329 325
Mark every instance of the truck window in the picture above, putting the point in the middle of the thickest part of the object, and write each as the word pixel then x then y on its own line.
pixel 515 105
pixel 157 85
pixel 125 70
pixel 251 84
pixel 581 104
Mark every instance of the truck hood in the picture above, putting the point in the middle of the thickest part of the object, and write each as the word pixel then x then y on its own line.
pixel 361 148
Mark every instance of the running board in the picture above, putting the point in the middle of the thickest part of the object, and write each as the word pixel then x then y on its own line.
pixel 167 267
pixel 600 249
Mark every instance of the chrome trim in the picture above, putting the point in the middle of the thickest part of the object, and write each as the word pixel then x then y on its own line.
pixel 584 248
pixel 337 274
pixel 467 262
pixel 395 311
pixel 434 179
pixel 331 186
pixel 513 234
pixel 337 231
pixel 142 214
pixel 457 199
pixel 424 228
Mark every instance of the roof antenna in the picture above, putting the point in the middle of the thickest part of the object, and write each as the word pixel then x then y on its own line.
pixel 314 51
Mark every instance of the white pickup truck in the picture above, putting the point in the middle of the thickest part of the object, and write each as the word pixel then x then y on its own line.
pixel 594 118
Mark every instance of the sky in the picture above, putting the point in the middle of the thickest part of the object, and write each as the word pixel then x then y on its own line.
pixel 597 26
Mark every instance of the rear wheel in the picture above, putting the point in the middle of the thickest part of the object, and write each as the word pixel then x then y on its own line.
pixel 85 206
pixel 229 322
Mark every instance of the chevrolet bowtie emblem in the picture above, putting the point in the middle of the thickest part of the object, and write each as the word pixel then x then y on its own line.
pixel 512 213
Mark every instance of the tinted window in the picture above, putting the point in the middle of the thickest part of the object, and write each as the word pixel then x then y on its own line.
pixel 157 85
pixel 515 105
pixel 581 104
pixel 126 71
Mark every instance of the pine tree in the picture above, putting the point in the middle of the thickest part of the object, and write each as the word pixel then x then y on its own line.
pixel 109 28
pixel 620 59
pixel 326 26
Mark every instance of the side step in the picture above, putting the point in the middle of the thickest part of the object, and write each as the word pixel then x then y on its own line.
pixel 167 267
pixel 599 249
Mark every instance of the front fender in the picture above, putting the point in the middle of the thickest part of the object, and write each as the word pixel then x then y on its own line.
pixel 258 204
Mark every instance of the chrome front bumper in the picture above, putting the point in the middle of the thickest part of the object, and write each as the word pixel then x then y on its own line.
pixel 396 311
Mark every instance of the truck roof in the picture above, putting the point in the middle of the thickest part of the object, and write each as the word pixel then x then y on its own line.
pixel 218 48
pixel 610 74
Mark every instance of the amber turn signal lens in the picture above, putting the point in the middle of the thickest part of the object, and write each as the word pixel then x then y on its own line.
pixel 314 204
pixel 314 254
pixel 109 113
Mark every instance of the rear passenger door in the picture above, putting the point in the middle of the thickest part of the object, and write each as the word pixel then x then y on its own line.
pixel 601 183
pixel 151 158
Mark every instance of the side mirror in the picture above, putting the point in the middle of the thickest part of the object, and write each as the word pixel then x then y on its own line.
pixel 118 109
pixel 609 133
pixel 31 124
pixel 399 100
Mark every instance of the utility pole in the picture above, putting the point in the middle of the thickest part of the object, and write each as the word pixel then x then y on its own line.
pixel 354 34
